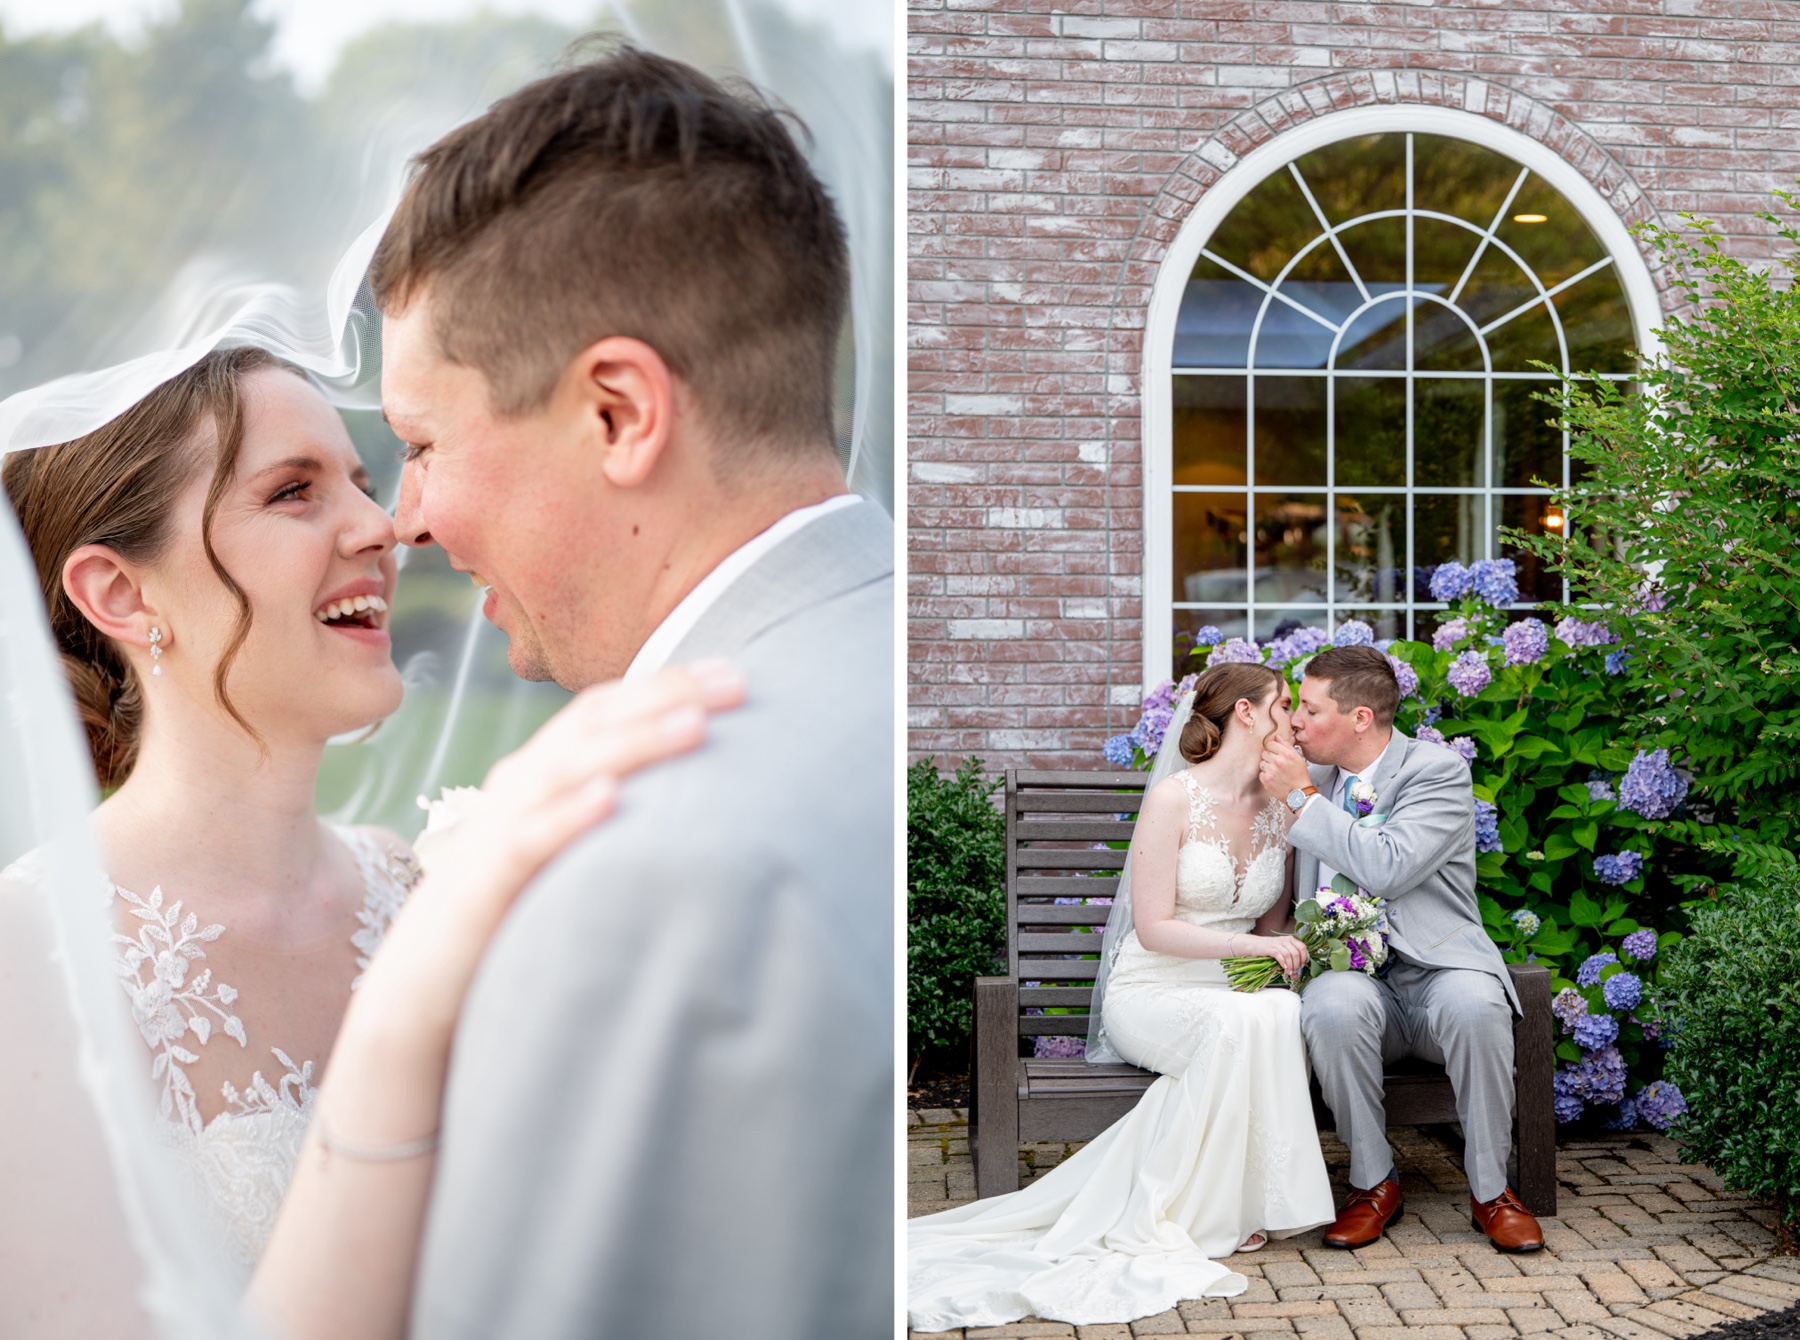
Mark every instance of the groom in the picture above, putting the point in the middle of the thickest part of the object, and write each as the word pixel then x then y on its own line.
pixel 612 307
pixel 1444 995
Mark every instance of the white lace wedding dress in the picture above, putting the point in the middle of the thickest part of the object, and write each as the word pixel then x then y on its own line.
pixel 1220 1147
pixel 238 1162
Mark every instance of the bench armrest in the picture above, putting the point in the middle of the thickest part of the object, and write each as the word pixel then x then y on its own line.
pixel 994 1096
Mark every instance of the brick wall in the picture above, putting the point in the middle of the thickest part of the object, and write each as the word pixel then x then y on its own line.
pixel 1054 150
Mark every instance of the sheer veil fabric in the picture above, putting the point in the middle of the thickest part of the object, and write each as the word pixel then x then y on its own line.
pixel 1100 1050
pixel 96 1235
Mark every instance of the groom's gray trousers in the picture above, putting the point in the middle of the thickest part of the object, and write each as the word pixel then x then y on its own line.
pixel 1458 1018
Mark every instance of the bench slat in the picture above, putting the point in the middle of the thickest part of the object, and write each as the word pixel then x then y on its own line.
pixel 1078 802
pixel 1037 858
pixel 1067 942
pixel 1052 1025
pixel 1063 997
pixel 1059 970
pixel 1075 830
pixel 1099 885
pixel 1041 914
pixel 1086 780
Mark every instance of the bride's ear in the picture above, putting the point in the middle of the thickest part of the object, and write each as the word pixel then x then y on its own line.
pixel 109 594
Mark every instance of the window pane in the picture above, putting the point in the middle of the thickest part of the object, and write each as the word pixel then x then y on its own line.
pixel 1560 245
pixel 1447 436
pixel 1440 253
pixel 1212 330
pixel 1528 514
pixel 1290 547
pixel 1377 248
pixel 1597 324
pixel 1273 623
pixel 1376 337
pixel 1268 226
pixel 1526 448
pixel 1209 547
pixel 1371 430
pixel 1290 430
pixel 1370 556
pixel 1444 339
pixel 1525 340
pixel 1447 527
pixel 1352 177
pixel 1461 179
pixel 1209 430
pixel 1290 339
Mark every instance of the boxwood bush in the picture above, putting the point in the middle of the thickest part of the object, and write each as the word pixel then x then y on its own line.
pixel 1731 991
pixel 955 900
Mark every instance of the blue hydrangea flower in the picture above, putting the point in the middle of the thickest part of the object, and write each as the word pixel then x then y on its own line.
pixel 1600 789
pixel 1588 974
pixel 1595 1030
pixel 1118 751
pixel 1651 786
pixel 1660 1103
pixel 1568 1103
pixel 1616 661
pixel 1487 826
pixel 1449 634
pixel 1233 649
pixel 1527 642
pixel 1451 581
pixel 1208 636
pixel 1527 922
pixel 1627 1119
pixel 1407 676
pixel 1619 869
pixel 1599 1076
pixel 1575 632
pixel 1469 674
pixel 1495 580
pixel 1568 1005
pixel 1623 991
pixel 1353 633
pixel 1641 945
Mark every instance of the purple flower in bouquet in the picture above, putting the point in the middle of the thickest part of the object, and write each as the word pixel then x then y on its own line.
pixel 1616 661
pixel 1652 787
pixel 1359 961
pixel 1623 991
pixel 1641 945
pixel 1600 789
pixel 1568 1005
pixel 1234 649
pixel 1567 1102
pixel 1619 869
pixel 1469 674
pixel 1588 974
pixel 1449 634
pixel 1118 750
pixel 1208 636
pixel 1495 581
pixel 1599 1076
pixel 1660 1103
pixel 1527 642
pixel 1406 675
pixel 1487 826
pixel 1061 1047
pixel 1353 633
pixel 1627 1119
pixel 1450 581
pixel 1583 633
pixel 1593 1031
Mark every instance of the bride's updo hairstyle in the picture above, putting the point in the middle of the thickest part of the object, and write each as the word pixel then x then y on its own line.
pixel 117 487
pixel 1216 693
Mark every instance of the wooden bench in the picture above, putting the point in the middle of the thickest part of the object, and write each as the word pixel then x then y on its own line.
pixel 1053 821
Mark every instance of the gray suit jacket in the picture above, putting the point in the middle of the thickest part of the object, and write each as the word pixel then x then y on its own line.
pixel 670 1109
pixel 1421 858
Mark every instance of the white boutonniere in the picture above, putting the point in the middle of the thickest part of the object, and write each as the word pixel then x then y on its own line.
pixel 454 804
pixel 1362 795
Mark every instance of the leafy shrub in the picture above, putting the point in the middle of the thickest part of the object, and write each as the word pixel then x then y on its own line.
pixel 955 899
pixel 1732 992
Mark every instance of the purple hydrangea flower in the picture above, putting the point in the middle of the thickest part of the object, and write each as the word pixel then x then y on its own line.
pixel 1062 1047
pixel 1623 991
pixel 1234 649
pixel 1353 633
pixel 1527 642
pixel 1650 598
pixel 1599 1076
pixel 1660 1103
pixel 1627 1119
pixel 1652 787
pixel 1495 581
pixel 1568 1103
pixel 1582 633
pixel 1449 634
pixel 1616 661
pixel 1301 642
pixel 1450 582
pixel 1568 1005
pixel 1595 1030
pixel 1406 675
pixel 1600 789
pixel 1652 1027
pixel 1148 733
pixel 1588 974
pixel 1619 869
pixel 1208 636
pixel 1469 674
pixel 1487 826
pixel 1162 696
pixel 1118 751
pixel 1641 945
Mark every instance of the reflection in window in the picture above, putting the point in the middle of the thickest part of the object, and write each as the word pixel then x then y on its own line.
pixel 1354 382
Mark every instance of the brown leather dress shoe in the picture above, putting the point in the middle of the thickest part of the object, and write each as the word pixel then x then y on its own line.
pixel 1508 1224
pixel 1365 1215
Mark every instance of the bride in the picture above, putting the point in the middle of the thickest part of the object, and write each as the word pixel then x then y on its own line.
pixel 1221 1151
pixel 217 576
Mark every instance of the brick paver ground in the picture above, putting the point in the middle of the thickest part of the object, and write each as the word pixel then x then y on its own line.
pixel 1643 1247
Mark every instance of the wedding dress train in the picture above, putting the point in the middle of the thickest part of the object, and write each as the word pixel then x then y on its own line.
pixel 1221 1146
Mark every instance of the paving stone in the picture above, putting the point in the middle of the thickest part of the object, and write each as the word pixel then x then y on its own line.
pixel 1408 1333
pixel 1782 1292
pixel 1454 1316
pixel 1332 1327
pixel 1115 1331
pixel 1489 1332
pixel 1370 1315
pixel 1533 1320
pixel 1316 1308
pixel 1299 1272
pixel 1162 1323
pixel 1211 1312
pixel 1722 1297
pixel 1019 1329
pixel 1576 1307
pixel 1629 1328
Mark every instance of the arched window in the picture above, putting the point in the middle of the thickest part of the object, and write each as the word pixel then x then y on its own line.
pixel 1350 381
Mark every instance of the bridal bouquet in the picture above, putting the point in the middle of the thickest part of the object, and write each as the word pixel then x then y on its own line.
pixel 1344 932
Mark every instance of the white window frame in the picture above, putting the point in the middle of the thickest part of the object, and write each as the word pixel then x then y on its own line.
pixel 1156 384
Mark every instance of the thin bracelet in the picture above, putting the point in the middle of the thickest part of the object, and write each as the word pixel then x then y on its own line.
pixel 374 1154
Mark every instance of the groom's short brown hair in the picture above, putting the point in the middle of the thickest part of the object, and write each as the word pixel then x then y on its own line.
pixel 1358 677
pixel 631 195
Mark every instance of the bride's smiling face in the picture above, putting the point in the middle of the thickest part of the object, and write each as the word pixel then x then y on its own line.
pixel 299 532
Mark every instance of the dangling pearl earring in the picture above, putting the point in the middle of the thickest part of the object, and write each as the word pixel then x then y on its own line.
pixel 156 652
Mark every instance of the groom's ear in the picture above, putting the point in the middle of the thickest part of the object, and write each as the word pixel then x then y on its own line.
pixel 108 593
pixel 627 395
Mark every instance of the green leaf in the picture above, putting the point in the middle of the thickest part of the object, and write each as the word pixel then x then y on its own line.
pixel 1584 911
pixel 1585 834
pixel 1568 1051
pixel 1340 957
pixel 1343 885
pixel 1557 847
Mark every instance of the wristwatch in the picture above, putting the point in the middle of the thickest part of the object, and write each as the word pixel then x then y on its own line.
pixel 1297 797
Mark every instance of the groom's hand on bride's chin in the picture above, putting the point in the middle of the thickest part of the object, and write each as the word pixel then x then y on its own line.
pixel 1282 768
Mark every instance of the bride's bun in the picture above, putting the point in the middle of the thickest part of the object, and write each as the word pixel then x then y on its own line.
pixel 1216 694
pixel 117 487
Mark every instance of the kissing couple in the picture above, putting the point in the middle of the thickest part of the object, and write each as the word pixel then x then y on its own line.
pixel 619 1054
pixel 1250 806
